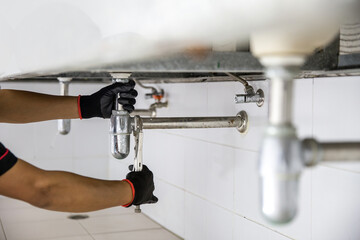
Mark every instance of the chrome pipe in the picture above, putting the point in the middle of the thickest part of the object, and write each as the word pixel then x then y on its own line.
pixel 120 129
pixel 346 151
pixel 151 112
pixel 280 166
pixel 280 159
pixel 281 92
pixel 314 152
pixel 240 122
pixel 144 113
pixel 64 125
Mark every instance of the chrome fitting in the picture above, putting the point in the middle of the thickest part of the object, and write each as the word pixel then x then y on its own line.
pixel 120 130
pixel 257 98
pixel 64 125
pixel 280 166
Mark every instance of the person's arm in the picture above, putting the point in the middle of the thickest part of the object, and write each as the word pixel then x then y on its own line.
pixel 24 107
pixel 68 192
pixel 62 191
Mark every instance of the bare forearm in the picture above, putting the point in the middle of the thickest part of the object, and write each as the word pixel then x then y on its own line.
pixel 73 193
pixel 24 107
pixel 62 191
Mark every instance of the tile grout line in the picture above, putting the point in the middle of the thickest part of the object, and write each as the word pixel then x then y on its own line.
pixel 202 140
pixel 2 227
pixel 338 168
pixel 56 238
pixel 127 231
pixel 79 222
pixel 162 227
pixel 311 170
pixel 233 203
pixel 224 208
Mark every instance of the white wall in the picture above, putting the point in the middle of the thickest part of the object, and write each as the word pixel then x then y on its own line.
pixel 84 150
pixel 206 180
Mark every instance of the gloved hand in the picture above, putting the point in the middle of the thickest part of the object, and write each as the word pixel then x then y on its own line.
pixel 7 159
pixel 101 103
pixel 143 183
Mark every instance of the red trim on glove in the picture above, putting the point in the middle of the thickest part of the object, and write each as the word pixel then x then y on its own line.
pixel 79 109
pixel 132 190
pixel 7 151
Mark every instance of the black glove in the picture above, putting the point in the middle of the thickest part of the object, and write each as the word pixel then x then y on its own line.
pixel 143 183
pixel 101 103
pixel 7 159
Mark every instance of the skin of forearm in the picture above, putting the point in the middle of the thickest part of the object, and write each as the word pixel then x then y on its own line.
pixel 24 107
pixel 62 191
pixel 73 193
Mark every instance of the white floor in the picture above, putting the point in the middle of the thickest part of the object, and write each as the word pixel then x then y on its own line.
pixel 21 221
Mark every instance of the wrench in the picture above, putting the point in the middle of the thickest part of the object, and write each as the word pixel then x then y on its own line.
pixel 138 160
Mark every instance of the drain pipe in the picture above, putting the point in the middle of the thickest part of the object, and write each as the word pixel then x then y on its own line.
pixel 315 152
pixel 280 161
pixel 120 129
pixel 282 155
pixel 64 125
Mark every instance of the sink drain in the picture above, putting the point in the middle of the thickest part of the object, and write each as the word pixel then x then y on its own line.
pixel 78 216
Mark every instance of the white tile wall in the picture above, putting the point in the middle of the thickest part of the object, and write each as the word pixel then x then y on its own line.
pixel 84 150
pixel 336 114
pixel 218 167
pixel 204 220
pixel 336 104
pixel 207 180
pixel 172 152
pixel 209 172
pixel 169 211
pixel 335 204
pixel 245 229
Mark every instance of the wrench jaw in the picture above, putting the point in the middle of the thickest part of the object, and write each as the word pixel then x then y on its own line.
pixel 138 160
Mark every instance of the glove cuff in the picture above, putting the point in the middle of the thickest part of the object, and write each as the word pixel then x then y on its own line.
pixel 87 107
pixel 79 108
pixel 7 159
pixel 132 191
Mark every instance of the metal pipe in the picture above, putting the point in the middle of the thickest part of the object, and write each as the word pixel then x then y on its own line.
pixel 151 112
pixel 143 86
pixel 120 129
pixel 240 122
pixel 64 125
pixel 314 152
pixel 281 94
pixel 237 78
pixel 144 112
pixel 280 159
pixel 346 151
